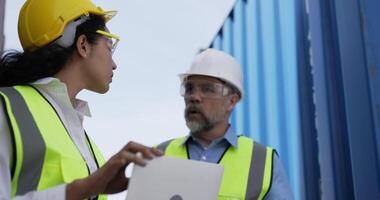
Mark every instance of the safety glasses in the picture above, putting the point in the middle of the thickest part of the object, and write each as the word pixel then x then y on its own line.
pixel 113 39
pixel 204 89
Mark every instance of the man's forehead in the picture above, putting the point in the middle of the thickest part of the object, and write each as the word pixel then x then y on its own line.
pixel 203 78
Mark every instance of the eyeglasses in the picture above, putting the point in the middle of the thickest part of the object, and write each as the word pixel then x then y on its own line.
pixel 205 89
pixel 113 39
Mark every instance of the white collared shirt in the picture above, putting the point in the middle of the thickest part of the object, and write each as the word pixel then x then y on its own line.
pixel 72 117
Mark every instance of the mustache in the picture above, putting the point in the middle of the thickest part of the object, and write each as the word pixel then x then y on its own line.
pixel 192 108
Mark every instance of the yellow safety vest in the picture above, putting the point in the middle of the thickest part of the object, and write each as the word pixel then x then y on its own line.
pixel 44 153
pixel 247 168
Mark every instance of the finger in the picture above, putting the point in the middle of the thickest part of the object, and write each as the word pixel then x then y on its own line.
pixel 122 159
pixel 157 152
pixel 126 157
pixel 148 154
pixel 135 148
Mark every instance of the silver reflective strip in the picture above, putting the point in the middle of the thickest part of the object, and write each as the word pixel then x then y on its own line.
pixel 33 145
pixel 256 172
pixel 164 145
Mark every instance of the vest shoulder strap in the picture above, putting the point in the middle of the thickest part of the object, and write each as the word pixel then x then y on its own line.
pixel 24 128
pixel 260 174
pixel 5 105
pixel 164 145
pixel 174 148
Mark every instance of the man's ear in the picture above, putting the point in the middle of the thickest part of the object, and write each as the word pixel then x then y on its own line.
pixel 234 99
pixel 83 47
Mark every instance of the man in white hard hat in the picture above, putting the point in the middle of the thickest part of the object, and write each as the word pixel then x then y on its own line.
pixel 211 88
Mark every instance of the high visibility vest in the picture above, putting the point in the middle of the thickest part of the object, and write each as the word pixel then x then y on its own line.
pixel 247 169
pixel 44 153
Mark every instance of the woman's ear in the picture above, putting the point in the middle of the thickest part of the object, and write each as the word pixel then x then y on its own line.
pixel 83 47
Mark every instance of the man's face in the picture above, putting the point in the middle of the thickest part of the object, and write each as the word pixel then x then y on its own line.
pixel 206 100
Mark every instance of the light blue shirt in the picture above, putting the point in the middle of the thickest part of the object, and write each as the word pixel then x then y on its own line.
pixel 279 189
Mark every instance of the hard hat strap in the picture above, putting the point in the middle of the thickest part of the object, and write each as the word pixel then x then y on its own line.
pixel 68 36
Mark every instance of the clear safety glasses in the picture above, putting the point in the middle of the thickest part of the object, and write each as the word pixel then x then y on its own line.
pixel 113 39
pixel 205 89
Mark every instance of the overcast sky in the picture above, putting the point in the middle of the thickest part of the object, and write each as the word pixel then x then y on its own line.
pixel 158 41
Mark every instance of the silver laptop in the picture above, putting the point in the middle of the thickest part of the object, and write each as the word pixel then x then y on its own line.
pixel 166 178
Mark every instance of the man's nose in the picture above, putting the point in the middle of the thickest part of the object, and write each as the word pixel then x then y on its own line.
pixel 193 97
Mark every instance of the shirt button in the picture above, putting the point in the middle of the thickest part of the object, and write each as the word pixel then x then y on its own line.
pixel 203 157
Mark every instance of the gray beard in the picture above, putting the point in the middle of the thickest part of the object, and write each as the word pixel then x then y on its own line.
pixel 201 125
pixel 197 127
pixel 204 123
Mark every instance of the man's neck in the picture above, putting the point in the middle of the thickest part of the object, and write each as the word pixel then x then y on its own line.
pixel 206 137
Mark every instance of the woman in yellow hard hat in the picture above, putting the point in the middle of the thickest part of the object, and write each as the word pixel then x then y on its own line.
pixel 45 152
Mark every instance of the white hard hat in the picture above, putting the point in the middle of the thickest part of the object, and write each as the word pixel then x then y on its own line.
pixel 217 64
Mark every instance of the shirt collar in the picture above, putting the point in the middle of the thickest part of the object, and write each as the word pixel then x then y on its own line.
pixel 53 85
pixel 230 136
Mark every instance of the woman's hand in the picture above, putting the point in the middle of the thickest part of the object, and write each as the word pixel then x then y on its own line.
pixel 111 178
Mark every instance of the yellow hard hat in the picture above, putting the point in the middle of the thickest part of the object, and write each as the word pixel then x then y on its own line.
pixel 43 21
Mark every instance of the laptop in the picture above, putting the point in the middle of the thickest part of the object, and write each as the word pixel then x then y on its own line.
pixel 167 178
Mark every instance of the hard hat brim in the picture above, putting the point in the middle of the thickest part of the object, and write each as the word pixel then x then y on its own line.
pixel 108 15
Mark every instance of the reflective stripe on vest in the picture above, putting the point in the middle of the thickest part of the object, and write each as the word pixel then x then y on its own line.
pixel 247 169
pixel 45 155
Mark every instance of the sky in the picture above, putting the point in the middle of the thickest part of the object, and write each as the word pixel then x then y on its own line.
pixel 158 41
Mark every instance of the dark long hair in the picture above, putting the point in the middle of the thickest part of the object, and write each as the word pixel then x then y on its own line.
pixel 20 68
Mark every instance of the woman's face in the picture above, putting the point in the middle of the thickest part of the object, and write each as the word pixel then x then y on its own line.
pixel 100 66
